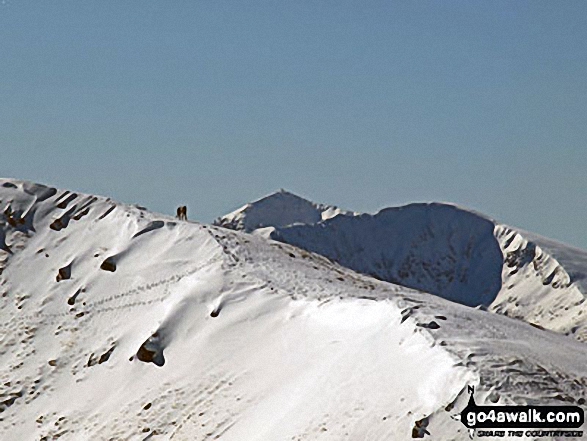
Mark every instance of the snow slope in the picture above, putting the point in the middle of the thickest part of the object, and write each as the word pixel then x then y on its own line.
pixel 120 324
pixel 457 254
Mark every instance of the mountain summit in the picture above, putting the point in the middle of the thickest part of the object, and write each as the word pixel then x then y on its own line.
pixel 278 209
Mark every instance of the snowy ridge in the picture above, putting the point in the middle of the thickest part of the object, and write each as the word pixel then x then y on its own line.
pixel 459 255
pixel 118 323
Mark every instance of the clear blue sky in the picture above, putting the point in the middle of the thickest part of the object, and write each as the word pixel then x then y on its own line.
pixel 361 104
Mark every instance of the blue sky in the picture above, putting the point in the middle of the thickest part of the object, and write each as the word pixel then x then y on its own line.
pixel 359 104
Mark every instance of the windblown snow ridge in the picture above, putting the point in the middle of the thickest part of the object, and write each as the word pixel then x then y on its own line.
pixel 196 332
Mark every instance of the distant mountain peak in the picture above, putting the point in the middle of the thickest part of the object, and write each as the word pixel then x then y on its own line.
pixel 278 209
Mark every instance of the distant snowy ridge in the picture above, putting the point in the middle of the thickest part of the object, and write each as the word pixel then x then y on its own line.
pixel 454 253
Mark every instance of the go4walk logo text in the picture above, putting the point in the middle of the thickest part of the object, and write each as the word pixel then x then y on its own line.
pixel 560 420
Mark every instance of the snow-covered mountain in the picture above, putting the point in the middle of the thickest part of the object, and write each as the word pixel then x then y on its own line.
pixel 277 210
pixel 457 254
pixel 121 324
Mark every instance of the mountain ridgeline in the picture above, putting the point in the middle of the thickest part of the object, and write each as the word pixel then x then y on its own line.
pixel 448 251
pixel 192 331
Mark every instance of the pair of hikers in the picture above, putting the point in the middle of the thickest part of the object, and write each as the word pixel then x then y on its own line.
pixel 182 212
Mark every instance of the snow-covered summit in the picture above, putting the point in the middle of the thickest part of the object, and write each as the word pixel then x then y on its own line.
pixel 278 209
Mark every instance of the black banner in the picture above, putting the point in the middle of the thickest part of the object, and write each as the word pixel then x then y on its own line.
pixel 521 417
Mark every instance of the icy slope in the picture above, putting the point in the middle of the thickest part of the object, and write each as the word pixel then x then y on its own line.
pixel 120 324
pixel 456 254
